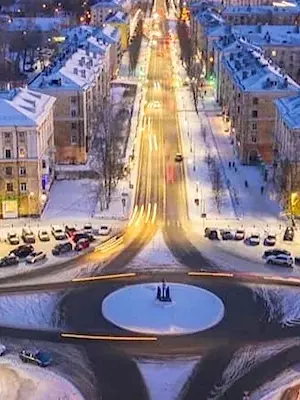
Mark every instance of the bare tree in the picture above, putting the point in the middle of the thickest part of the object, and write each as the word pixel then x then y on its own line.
pixel 135 46
pixel 185 43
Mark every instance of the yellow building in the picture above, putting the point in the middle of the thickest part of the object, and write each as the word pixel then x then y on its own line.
pixel 121 21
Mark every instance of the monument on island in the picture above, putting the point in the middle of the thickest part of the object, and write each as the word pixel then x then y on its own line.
pixel 163 292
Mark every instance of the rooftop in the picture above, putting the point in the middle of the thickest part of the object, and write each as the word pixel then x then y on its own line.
pixel 252 72
pixel 289 109
pixel 108 4
pixel 260 10
pixel 118 17
pixel 42 23
pixel 24 107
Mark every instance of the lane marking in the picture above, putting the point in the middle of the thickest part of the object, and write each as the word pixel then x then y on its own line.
pixel 154 213
pixel 104 277
pixel 140 216
pixel 111 338
pixel 217 274
pixel 148 212
pixel 133 215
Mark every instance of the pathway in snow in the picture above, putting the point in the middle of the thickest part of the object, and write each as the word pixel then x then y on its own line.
pixel 155 255
pixel 166 379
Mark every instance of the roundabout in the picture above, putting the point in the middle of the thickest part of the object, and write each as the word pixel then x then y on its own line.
pixel 190 309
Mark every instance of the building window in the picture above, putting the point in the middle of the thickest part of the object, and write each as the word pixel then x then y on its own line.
pixel 22 136
pixel 238 109
pixel 254 126
pixel 254 139
pixel 7 136
pixel 23 187
pixel 255 101
pixel 73 125
pixel 274 53
pixel 73 99
pixel 44 164
pixel 8 171
pixel 73 113
pixel 73 139
pixel 7 153
pixel 254 113
pixel 21 152
pixel 9 187
pixel 22 171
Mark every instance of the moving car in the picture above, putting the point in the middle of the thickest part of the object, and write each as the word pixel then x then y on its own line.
pixel 289 234
pixel 62 248
pixel 70 230
pixel 58 232
pixel 27 235
pixel 42 359
pixel 270 240
pixel 254 239
pixel 13 238
pixel 43 236
pixel 9 260
pixel 104 230
pixel 35 257
pixel 275 252
pixel 281 259
pixel 226 235
pixel 22 251
pixel 178 157
pixel 239 234
pixel 82 244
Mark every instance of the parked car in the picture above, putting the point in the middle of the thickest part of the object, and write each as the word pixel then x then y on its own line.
pixel 35 257
pixel 104 230
pixel 27 235
pixel 289 234
pixel 178 157
pixel 82 235
pixel 70 230
pixel 13 238
pixel 270 240
pixel 275 252
pixel 9 260
pixel 43 236
pixel 281 259
pixel 82 244
pixel 42 359
pixel 22 251
pixel 239 234
pixel 62 248
pixel 58 232
pixel 226 235
pixel 254 239
pixel 2 349
pixel 211 233
pixel 88 228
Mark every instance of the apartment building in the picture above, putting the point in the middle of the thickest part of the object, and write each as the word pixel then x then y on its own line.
pixel 121 21
pixel 253 15
pixel 103 9
pixel 245 3
pixel 249 87
pixel 26 151
pixel 287 149
pixel 77 84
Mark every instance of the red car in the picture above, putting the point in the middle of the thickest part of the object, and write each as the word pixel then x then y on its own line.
pixel 82 244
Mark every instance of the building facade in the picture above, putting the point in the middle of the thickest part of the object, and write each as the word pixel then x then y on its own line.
pixel 26 151
pixel 100 11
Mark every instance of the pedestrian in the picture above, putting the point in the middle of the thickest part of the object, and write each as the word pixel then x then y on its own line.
pixel 233 164
pixel 246 184
pixel 261 190
pixel 229 164
pixel 204 92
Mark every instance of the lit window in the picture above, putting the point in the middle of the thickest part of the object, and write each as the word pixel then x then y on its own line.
pixel 22 171
pixel 23 187
pixel 274 53
pixel 21 152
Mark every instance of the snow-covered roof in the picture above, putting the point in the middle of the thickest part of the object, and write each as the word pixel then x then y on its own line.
pixel 252 72
pixel 118 17
pixel 209 18
pixel 112 33
pixel 24 107
pixel 108 4
pixel 260 10
pixel 289 110
pixel 43 23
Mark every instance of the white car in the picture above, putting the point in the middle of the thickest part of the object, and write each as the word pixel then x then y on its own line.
pixel 58 232
pixel 88 228
pixel 2 349
pixel 13 238
pixel 104 230
pixel 35 257
pixel 281 259
pixel 254 239
pixel 43 236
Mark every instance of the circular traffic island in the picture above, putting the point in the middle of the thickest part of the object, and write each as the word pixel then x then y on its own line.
pixel 163 309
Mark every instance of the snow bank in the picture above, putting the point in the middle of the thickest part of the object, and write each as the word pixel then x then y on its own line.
pixel 20 381
pixel 165 379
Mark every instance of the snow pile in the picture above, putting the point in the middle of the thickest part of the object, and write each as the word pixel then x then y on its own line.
pixel 155 255
pixel 23 382
pixel 165 379
pixel 136 309
pixel 73 199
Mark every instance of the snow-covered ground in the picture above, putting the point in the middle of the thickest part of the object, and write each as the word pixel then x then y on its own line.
pixel 136 309
pixel 165 378
pixel 20 381
pixel 155 256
